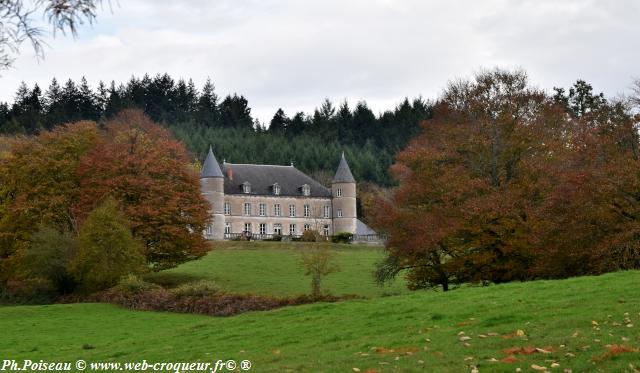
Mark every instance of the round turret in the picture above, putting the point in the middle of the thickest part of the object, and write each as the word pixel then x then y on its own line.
pixel 343 190
pixel 212 187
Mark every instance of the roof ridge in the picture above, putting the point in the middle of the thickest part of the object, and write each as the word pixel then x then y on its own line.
pixel 256 164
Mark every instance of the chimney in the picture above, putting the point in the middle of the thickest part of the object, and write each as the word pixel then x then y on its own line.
pixel 230 173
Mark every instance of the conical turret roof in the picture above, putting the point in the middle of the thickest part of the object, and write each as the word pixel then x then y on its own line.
pixel 211 168
pixel 343 174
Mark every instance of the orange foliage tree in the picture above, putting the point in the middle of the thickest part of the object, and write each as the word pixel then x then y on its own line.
pixel 55 179
pixel 503 184
pixel 139 164
pixel 39 186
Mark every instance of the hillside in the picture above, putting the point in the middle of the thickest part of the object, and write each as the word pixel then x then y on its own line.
pixel 584 324
pixel 273 268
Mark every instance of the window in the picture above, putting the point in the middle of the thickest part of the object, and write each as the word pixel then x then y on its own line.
pixel 246 187
pixel 263 209
pixel 210 230
pixel 263 228
pixel 339 192
pixel 292 211
pixel 277 229
pixel 227 228
pixel 326 229
pixel 276 189
pixel 327 211
pixel 339 213
pixel 307 227
pixel 227 208
pixel 292 229
pixel 247 227
pixel 247 209
pixel 307 211
pixel 306 190
pixel 276 209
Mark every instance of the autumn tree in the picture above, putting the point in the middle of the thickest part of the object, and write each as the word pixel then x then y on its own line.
pixel 140 165
pixel 589 222
pixel 460 212
pixel 508 184
pixel 39 186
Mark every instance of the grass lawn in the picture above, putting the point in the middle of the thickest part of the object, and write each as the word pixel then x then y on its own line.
pixel 571 321
pixel 273 268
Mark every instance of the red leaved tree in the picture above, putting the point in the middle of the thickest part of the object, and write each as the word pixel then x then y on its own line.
pixel 139 164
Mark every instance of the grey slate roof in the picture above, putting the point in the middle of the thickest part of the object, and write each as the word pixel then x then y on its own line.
pixel 211 168
pixel 343 174
pixel 262 177
pixel 363 229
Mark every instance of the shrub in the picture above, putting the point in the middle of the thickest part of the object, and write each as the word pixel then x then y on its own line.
pixel 217 305
pixel 134 284
pixel 196 289
pixel 47 258
pixel 310 236
pixel 29 291
pixel 318 262
pixel 275 237
pixel 106 250
pixel 342 237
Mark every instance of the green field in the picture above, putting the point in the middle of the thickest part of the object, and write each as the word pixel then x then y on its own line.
pixel 273 268
pixel 571 321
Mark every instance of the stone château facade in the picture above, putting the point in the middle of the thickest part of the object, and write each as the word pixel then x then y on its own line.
pixel 266 200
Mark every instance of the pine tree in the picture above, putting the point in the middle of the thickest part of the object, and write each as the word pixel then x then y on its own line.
pixel 279 122
pixel 207 106
pixel 235 112
pixel 88 102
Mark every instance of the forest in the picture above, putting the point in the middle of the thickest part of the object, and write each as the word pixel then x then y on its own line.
pixel 199 118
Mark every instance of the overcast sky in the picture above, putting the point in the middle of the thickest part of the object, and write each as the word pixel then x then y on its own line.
pixel 293 54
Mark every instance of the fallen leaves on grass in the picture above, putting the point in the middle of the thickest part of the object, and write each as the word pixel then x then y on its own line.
pixel 510 359
pixel 401 350
pixel 614 350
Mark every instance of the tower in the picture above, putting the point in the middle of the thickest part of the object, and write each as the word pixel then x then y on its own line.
pixel 343 191
pixel 212 187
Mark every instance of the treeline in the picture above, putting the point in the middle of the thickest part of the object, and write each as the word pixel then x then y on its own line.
pixel 199 117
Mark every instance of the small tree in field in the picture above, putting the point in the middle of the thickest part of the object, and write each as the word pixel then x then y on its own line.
pixel 318 262
pixel 106 250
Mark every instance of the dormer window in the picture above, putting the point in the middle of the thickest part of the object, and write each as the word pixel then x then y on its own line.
pixel 246 187
pixel 276 189
pixel 306 190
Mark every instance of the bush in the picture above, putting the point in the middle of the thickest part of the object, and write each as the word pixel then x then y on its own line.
pixel 310 236
pixel 275 237
pixel 162 300
pixel 134 284
pixel 47 258
pixel 196 289
pixel 342 237
pixel 106 250
pixel 29 291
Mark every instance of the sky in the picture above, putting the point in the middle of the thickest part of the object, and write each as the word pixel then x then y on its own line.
pixel 293 54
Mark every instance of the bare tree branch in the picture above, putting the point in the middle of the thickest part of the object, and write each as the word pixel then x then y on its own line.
pixel 16 24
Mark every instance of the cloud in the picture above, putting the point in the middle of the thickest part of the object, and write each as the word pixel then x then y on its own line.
pixel 292 54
